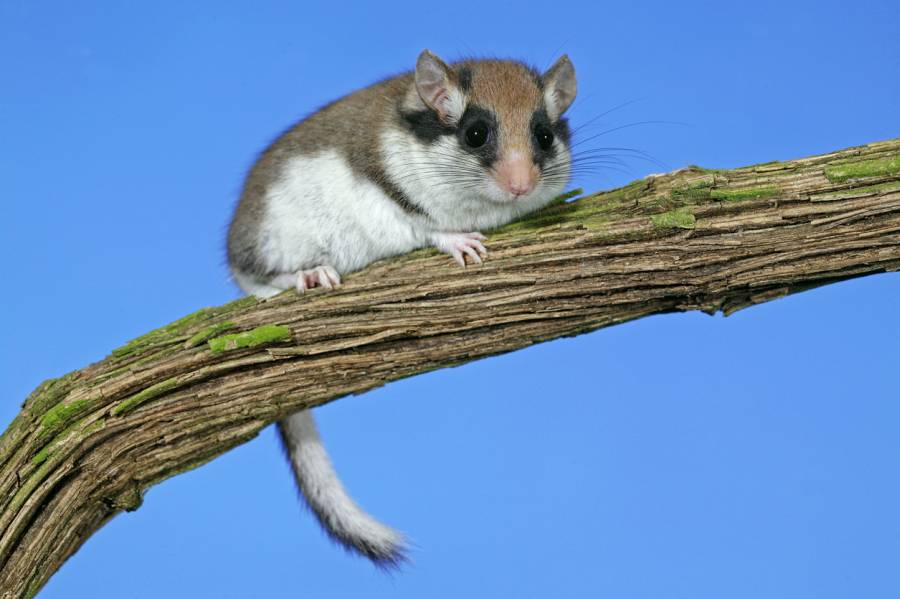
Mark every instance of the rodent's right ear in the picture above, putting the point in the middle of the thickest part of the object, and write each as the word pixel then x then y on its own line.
pixel 437 86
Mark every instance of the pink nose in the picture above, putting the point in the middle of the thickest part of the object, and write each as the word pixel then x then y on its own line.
pixel 519 187
pixel 517 175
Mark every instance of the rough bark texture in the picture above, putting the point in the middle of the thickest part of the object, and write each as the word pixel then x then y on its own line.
pixel 87 445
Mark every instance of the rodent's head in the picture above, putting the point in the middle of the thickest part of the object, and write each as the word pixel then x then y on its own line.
pixel 501 122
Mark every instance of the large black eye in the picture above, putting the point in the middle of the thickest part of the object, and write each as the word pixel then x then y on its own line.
pixel 477 134
pixel 544 137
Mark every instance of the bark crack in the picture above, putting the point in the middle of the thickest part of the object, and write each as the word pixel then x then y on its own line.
pixel 87 445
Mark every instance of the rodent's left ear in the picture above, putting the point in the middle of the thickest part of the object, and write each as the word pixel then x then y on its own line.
pixel 560 87
pixel 437 86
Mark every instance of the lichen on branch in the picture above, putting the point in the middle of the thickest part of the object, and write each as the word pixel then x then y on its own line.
pixel 86 445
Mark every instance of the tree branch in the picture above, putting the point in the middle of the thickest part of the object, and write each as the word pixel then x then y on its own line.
pixel 87 445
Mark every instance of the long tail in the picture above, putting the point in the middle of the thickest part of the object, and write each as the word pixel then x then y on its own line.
pixel 342 519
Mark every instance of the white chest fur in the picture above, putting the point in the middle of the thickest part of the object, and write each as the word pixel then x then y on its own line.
pixel 322 212
pixel 455 194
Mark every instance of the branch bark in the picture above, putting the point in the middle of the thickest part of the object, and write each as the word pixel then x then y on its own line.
pixel 87 445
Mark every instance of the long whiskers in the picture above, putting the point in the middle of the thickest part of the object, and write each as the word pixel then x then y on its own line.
pixel 446 168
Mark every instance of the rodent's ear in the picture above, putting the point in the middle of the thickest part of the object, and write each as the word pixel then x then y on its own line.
pixel 560 86
pixel 437 86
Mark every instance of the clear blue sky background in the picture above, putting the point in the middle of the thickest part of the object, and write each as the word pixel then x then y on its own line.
pixel 677 456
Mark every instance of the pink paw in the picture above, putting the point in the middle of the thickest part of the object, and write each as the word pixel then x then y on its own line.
pixel 460 245
pixel 321 276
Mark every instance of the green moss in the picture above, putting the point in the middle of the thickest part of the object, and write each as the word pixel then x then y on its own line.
pixel 115 372
pixel 40 392
pixel 696 191
pixel 590 211
pixel 632 191
pixel 544 218
pixel 136 345
pixel 33 587
pixel 747 193
pixel 857 192
pixel 682 218
pixel 62 412
pixel 177 330
pixel 97 425
pixel 29 484
pixel 270 333
pixel 130 403
pixel 880 188
pixel 48 394
pixel 44 405
pixel 595 223
pixel 710 171
pixel 866 168
pixel 211 331
pixel 41 456
pixel 553 213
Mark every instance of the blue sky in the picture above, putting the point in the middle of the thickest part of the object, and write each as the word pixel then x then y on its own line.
pixel 676 456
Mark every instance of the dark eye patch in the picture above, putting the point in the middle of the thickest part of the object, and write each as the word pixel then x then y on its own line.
pixel 540 126
pixel 476 117
pixel 425 125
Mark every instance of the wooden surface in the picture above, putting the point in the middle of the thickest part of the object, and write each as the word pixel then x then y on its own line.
pixel 85 446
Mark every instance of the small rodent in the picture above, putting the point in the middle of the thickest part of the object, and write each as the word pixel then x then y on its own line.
pixel 426 158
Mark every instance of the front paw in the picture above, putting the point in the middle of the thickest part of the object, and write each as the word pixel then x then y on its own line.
pixel 320 276
pixel 460 245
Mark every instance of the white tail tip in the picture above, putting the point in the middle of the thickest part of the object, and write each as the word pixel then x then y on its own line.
pixel 339 515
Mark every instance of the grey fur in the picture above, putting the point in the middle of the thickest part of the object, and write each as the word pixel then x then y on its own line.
pixel 496 91
pixel 349 125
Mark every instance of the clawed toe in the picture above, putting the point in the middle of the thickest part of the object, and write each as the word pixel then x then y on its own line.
pixel 320 276
pixel 460 245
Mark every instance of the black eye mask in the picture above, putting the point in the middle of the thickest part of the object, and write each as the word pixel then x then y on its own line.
pixel 477 134
pixel 543 132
